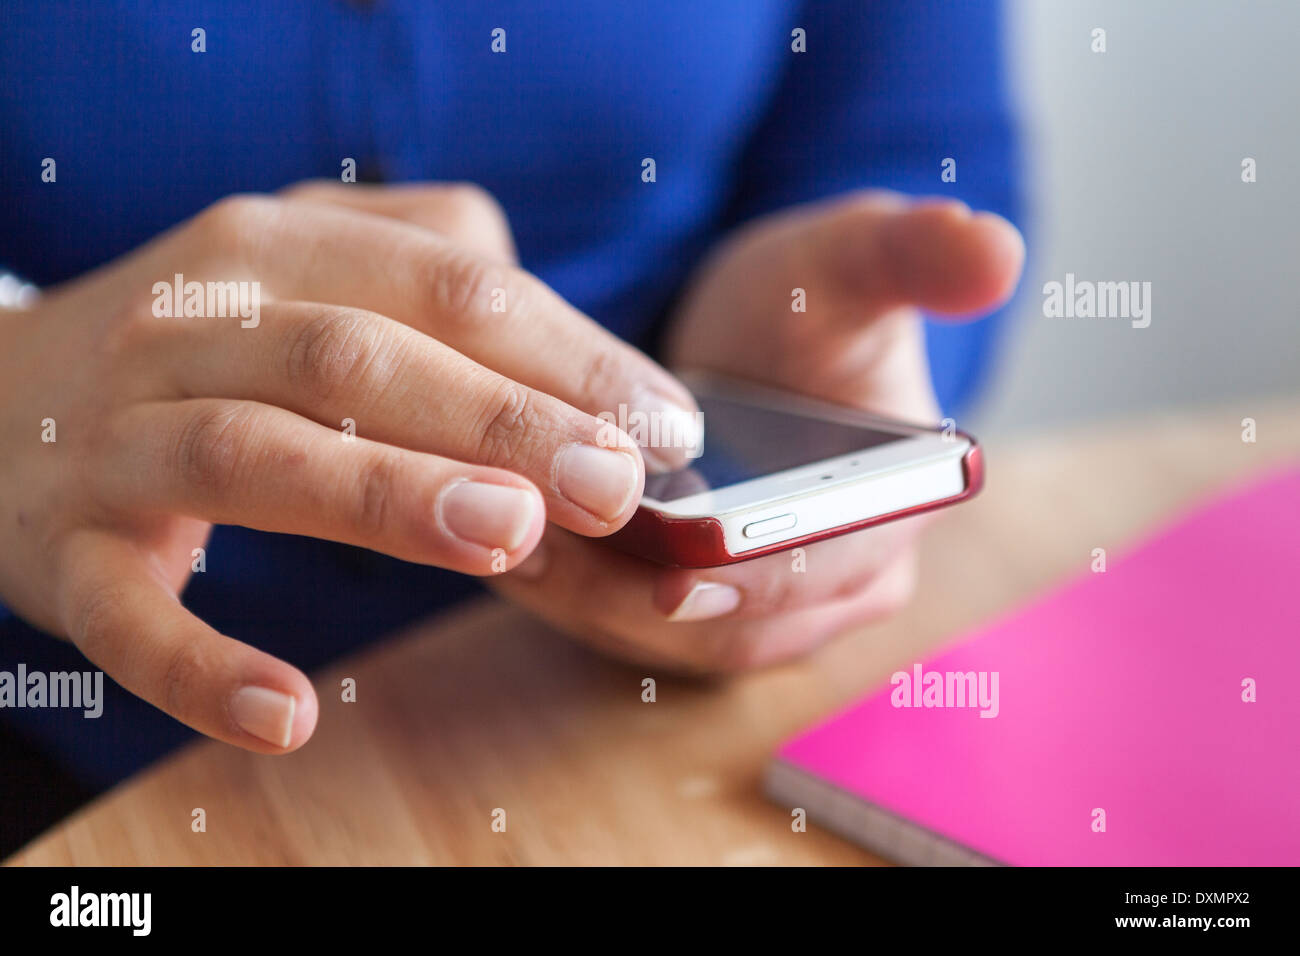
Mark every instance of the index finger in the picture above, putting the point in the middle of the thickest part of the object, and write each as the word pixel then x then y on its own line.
pixel 499 315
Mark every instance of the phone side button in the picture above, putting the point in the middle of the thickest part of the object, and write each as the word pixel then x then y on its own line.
pixel 757 529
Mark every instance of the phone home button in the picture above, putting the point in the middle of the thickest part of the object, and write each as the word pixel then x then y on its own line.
pixel 757 529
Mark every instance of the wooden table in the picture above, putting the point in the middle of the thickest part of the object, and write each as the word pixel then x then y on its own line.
pixel 485 709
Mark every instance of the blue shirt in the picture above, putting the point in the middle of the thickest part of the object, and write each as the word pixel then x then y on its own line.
pixel 146 132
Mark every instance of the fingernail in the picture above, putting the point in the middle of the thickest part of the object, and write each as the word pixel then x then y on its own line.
pixel 706 600
pixel 495 516
pixel 534 566
pixel 672 433
pixel 266 714
pixel 598 480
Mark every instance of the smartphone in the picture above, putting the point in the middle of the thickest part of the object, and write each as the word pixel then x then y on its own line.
pixel 776 471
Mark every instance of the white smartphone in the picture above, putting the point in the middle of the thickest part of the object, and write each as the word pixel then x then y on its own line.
pixel 779 470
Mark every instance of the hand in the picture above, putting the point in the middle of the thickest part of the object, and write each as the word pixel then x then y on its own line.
pixel 472 426
pixel 866 264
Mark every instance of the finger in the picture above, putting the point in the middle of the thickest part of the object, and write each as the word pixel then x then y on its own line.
pixel 231 462
pixel 403 388
pixel 462 212
pixel 787 580
pixel 501 317
pixel 863 258
pixel 565 573
pixel 117 610
pixel 937 255
pixel 786 637
pixel 721 645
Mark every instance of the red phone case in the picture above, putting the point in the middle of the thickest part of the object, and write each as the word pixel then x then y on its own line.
pixel 698 542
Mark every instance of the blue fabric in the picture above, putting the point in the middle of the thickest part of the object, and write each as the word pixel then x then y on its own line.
pixel 146 132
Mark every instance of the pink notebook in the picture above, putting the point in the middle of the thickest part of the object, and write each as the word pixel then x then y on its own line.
pixel 1148 715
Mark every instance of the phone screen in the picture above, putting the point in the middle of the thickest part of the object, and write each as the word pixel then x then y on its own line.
pixel 743 441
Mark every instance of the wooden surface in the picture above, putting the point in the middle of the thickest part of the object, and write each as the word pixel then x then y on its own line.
pixel 484 709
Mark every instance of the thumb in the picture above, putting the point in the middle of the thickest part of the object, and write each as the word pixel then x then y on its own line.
pixel 877 252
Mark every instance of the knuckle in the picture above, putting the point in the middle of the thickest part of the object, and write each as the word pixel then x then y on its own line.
pixel 885 596
pixel 181 677
pixel 470 203
pixel 604 373
pixel 131 324
pixel 896 591
pixel 380 484
pixel 461 287
pixel 126 332
pixel 114 431
pixel 329 351
pixel 854 584
pixel 94 619
pixel 774 591
pixel 510 416
pixel 869 200
pixel 208 450
pixel 230 223
pixel 308 189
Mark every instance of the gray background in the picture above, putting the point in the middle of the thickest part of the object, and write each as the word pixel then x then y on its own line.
pixel 1134 170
